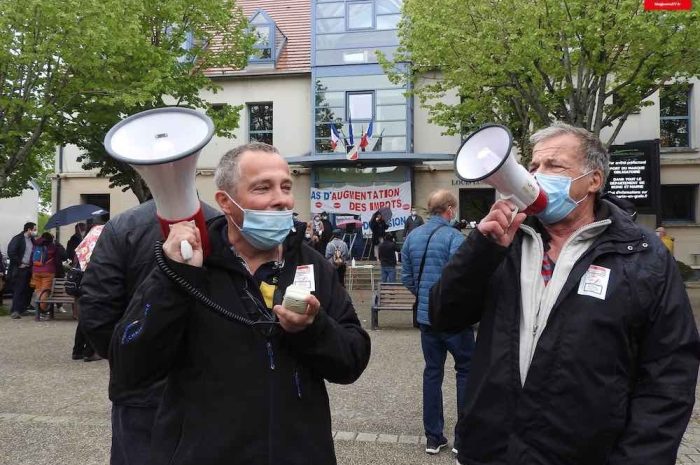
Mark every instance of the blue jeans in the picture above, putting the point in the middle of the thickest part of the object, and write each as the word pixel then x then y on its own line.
pixel 435 346
pixel 131 434
pixel 388 274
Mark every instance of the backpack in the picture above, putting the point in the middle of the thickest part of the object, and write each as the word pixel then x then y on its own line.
pixel 337 258
pixel 73 278
pixel 39 255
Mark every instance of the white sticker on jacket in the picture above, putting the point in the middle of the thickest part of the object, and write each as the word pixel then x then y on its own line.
pixel 595 282
pixel 304 277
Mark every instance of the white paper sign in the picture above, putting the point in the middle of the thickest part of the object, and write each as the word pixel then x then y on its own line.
pixel 365 201
pixel 594 282
pixel 304 277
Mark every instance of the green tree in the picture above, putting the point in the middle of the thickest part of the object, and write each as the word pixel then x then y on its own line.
pixel 526 64
pixel 70 69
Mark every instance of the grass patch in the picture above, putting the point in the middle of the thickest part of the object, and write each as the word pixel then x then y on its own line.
pixel 4 310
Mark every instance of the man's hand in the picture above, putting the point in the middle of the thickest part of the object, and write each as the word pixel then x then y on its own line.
pixel 500 224
pixel 184 231
pixel 293 322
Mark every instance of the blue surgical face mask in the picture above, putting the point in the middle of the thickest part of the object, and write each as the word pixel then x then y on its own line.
pixel 559 203
pixel 264 229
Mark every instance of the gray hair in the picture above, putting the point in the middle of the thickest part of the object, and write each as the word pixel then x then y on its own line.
pixel 227 172
pixel 596 156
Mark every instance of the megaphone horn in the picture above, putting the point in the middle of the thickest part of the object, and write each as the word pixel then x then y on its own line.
pixel 486 156
pixel 163 145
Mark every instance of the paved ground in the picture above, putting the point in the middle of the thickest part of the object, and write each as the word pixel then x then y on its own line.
pixel 55 411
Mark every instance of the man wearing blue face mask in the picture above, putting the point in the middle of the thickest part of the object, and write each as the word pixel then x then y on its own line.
pixel 245 375
pixel 587 349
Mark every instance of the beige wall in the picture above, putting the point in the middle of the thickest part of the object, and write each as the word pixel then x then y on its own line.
pixel 291 99
pixel 428 137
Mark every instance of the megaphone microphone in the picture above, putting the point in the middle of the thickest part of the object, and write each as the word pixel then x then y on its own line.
pixel 163 145
pixel 486 156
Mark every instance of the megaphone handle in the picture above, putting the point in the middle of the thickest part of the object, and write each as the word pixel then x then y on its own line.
pixel 512 216
pixel 517 207
pixel 186 250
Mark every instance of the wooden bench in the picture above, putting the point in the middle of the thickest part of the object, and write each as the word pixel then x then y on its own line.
pixel 391 296
pixel 56 295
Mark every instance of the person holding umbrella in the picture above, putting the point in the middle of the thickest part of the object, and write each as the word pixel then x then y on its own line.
pixel 378 226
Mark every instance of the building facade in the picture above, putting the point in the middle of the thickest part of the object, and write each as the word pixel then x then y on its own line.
pixel 314 88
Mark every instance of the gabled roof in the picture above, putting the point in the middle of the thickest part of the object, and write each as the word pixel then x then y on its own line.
pixel 293 18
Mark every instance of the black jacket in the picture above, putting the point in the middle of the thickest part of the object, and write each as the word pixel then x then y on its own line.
pixel 611 382
pixel 412 224
pixel 234 394
pixel 15 251
pixel 120 262
pixel 73 244
pixel 387 253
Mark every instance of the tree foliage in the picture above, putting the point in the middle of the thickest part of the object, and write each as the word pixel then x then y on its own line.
pixel 71 69
pixel 526 64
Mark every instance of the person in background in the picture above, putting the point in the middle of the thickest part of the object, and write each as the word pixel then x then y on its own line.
pixel 378 227
pixel 337 248
pixel 121 260
pixel 665 238
pixel 317 231
pixel 412 222
pixel 434 243
pixel 327 234
pixel 47 258
pixel 75 240
pixel 387 258
pixel 19 250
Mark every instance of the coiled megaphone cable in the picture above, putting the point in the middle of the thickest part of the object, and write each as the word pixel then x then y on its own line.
pixel 200 296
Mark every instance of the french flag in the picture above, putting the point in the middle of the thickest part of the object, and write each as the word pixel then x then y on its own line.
pixel 364 142
pixel 352 138
pixel 335 137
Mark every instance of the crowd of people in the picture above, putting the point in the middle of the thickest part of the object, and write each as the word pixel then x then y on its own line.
pixel 587 348
pixel 34 262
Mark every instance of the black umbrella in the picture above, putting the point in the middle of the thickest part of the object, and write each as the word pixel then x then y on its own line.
pixel 73 214
pixel 385 212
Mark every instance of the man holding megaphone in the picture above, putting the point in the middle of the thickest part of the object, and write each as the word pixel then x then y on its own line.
pixel 245 371
pixel 587 349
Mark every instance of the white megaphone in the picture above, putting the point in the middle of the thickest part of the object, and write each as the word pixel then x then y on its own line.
pixel 163 145
pixel 485 156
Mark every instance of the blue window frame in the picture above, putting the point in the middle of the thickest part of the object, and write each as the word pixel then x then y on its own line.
pixel 269 39
pixel 359 15
pixel 359 106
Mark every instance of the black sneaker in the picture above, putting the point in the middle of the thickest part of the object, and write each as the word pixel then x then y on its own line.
pixel 433 446
pixel 15 316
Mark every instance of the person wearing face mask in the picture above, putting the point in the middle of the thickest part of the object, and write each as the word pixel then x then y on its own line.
pixel 412 222
pixel 317 231
pixel 245 376
pixel 588 350
pixel 19 250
